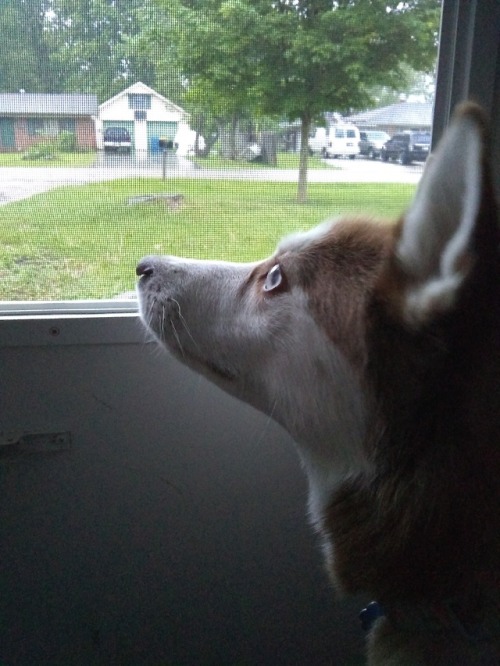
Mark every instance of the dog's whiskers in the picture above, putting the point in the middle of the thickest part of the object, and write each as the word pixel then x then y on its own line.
pixel 162 323
pixel 149 315
pixel 183 322
pixel 176 336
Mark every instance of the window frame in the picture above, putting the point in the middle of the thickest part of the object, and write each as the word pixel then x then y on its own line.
pixel 468 68
pixel 72 308
pixel 468 65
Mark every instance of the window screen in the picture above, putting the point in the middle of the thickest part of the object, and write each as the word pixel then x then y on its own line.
pixel 219 102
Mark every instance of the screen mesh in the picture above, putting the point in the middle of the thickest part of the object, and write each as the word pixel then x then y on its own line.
pixel 116 142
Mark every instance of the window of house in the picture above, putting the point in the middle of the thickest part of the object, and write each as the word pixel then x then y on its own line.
pixel 139 102
pixel 35 126
pixel 67 125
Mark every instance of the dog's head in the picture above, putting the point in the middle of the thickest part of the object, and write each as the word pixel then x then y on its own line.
pixel 376 346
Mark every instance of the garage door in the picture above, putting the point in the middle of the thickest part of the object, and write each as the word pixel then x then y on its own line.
pixel 127 124
pixel 160 130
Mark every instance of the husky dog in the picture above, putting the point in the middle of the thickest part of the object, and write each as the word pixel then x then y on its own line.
pixel 377 347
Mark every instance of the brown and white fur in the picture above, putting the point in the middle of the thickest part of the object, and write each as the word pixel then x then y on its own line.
pixel 377 347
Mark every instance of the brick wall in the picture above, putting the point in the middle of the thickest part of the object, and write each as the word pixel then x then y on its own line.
pixel 85 133
pixel 84 129
pixel 23 140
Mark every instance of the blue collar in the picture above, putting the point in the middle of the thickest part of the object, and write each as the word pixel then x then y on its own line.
pixel 481 625
pixel 370 614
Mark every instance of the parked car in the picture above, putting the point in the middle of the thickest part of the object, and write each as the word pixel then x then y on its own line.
pixel 407 147
pixel 116 139
pixel 335 141
pixel 371 142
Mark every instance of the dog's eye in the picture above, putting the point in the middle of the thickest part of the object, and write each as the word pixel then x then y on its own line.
pixel 273 279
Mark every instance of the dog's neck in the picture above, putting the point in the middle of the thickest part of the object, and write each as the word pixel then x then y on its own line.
pixel 329 461
pixel 455 631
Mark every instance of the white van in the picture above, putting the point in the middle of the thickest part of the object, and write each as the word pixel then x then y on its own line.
pixel 337 140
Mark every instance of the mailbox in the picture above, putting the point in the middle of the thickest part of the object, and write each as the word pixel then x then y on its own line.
pixel 166 144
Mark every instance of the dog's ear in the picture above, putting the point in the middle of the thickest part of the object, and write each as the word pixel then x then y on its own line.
pixel 435 245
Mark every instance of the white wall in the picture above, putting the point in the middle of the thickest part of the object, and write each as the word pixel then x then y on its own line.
pixel 172 531
pixel 119 110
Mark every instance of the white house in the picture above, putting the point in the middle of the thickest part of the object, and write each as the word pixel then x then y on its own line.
pixel 146 114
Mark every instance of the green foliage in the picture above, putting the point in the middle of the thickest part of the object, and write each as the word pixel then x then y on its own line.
pixel 66 142
pixel 49 148
pixel 92 42
pixel 25 54
pixel 85 158
pixel 43 150
pixel 296 59
pixel 323 57
pixel 87 46
pixel 413 83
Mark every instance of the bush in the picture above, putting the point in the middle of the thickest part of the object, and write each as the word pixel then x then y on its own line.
pixel 48 149
pixel 45 150
pixel 66 142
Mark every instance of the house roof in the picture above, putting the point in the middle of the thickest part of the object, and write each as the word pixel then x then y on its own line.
pixel 142 88
pixel 67 104
pixel 405 115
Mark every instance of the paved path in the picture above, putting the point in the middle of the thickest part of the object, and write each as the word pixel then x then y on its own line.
pixel 22 182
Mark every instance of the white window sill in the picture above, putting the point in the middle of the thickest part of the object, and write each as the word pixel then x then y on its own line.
pixel 71 323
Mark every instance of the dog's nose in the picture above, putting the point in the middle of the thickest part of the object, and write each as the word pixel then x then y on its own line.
pixel 145 267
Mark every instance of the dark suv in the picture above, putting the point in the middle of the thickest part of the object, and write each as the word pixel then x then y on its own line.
pixel 371 142
pixel 116 139
pixel 407 147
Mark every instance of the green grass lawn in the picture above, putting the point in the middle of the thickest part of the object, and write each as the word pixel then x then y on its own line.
pixel 60 160
pixel 285 161
pixel 84 242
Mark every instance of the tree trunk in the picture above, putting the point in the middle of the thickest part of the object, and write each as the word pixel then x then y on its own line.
pixel 210 142
pixel 232 140
pixel 269 148
pixel 303 158
pixel 203 128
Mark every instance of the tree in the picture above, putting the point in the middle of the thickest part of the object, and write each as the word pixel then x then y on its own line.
pixel 216 46
pixel 25 55
pixel 415 86
pixel 95 47
pixel 300 58
pixel 326 56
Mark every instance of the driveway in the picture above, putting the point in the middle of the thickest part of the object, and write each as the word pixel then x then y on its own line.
pixel 23 182
pixel 341 171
